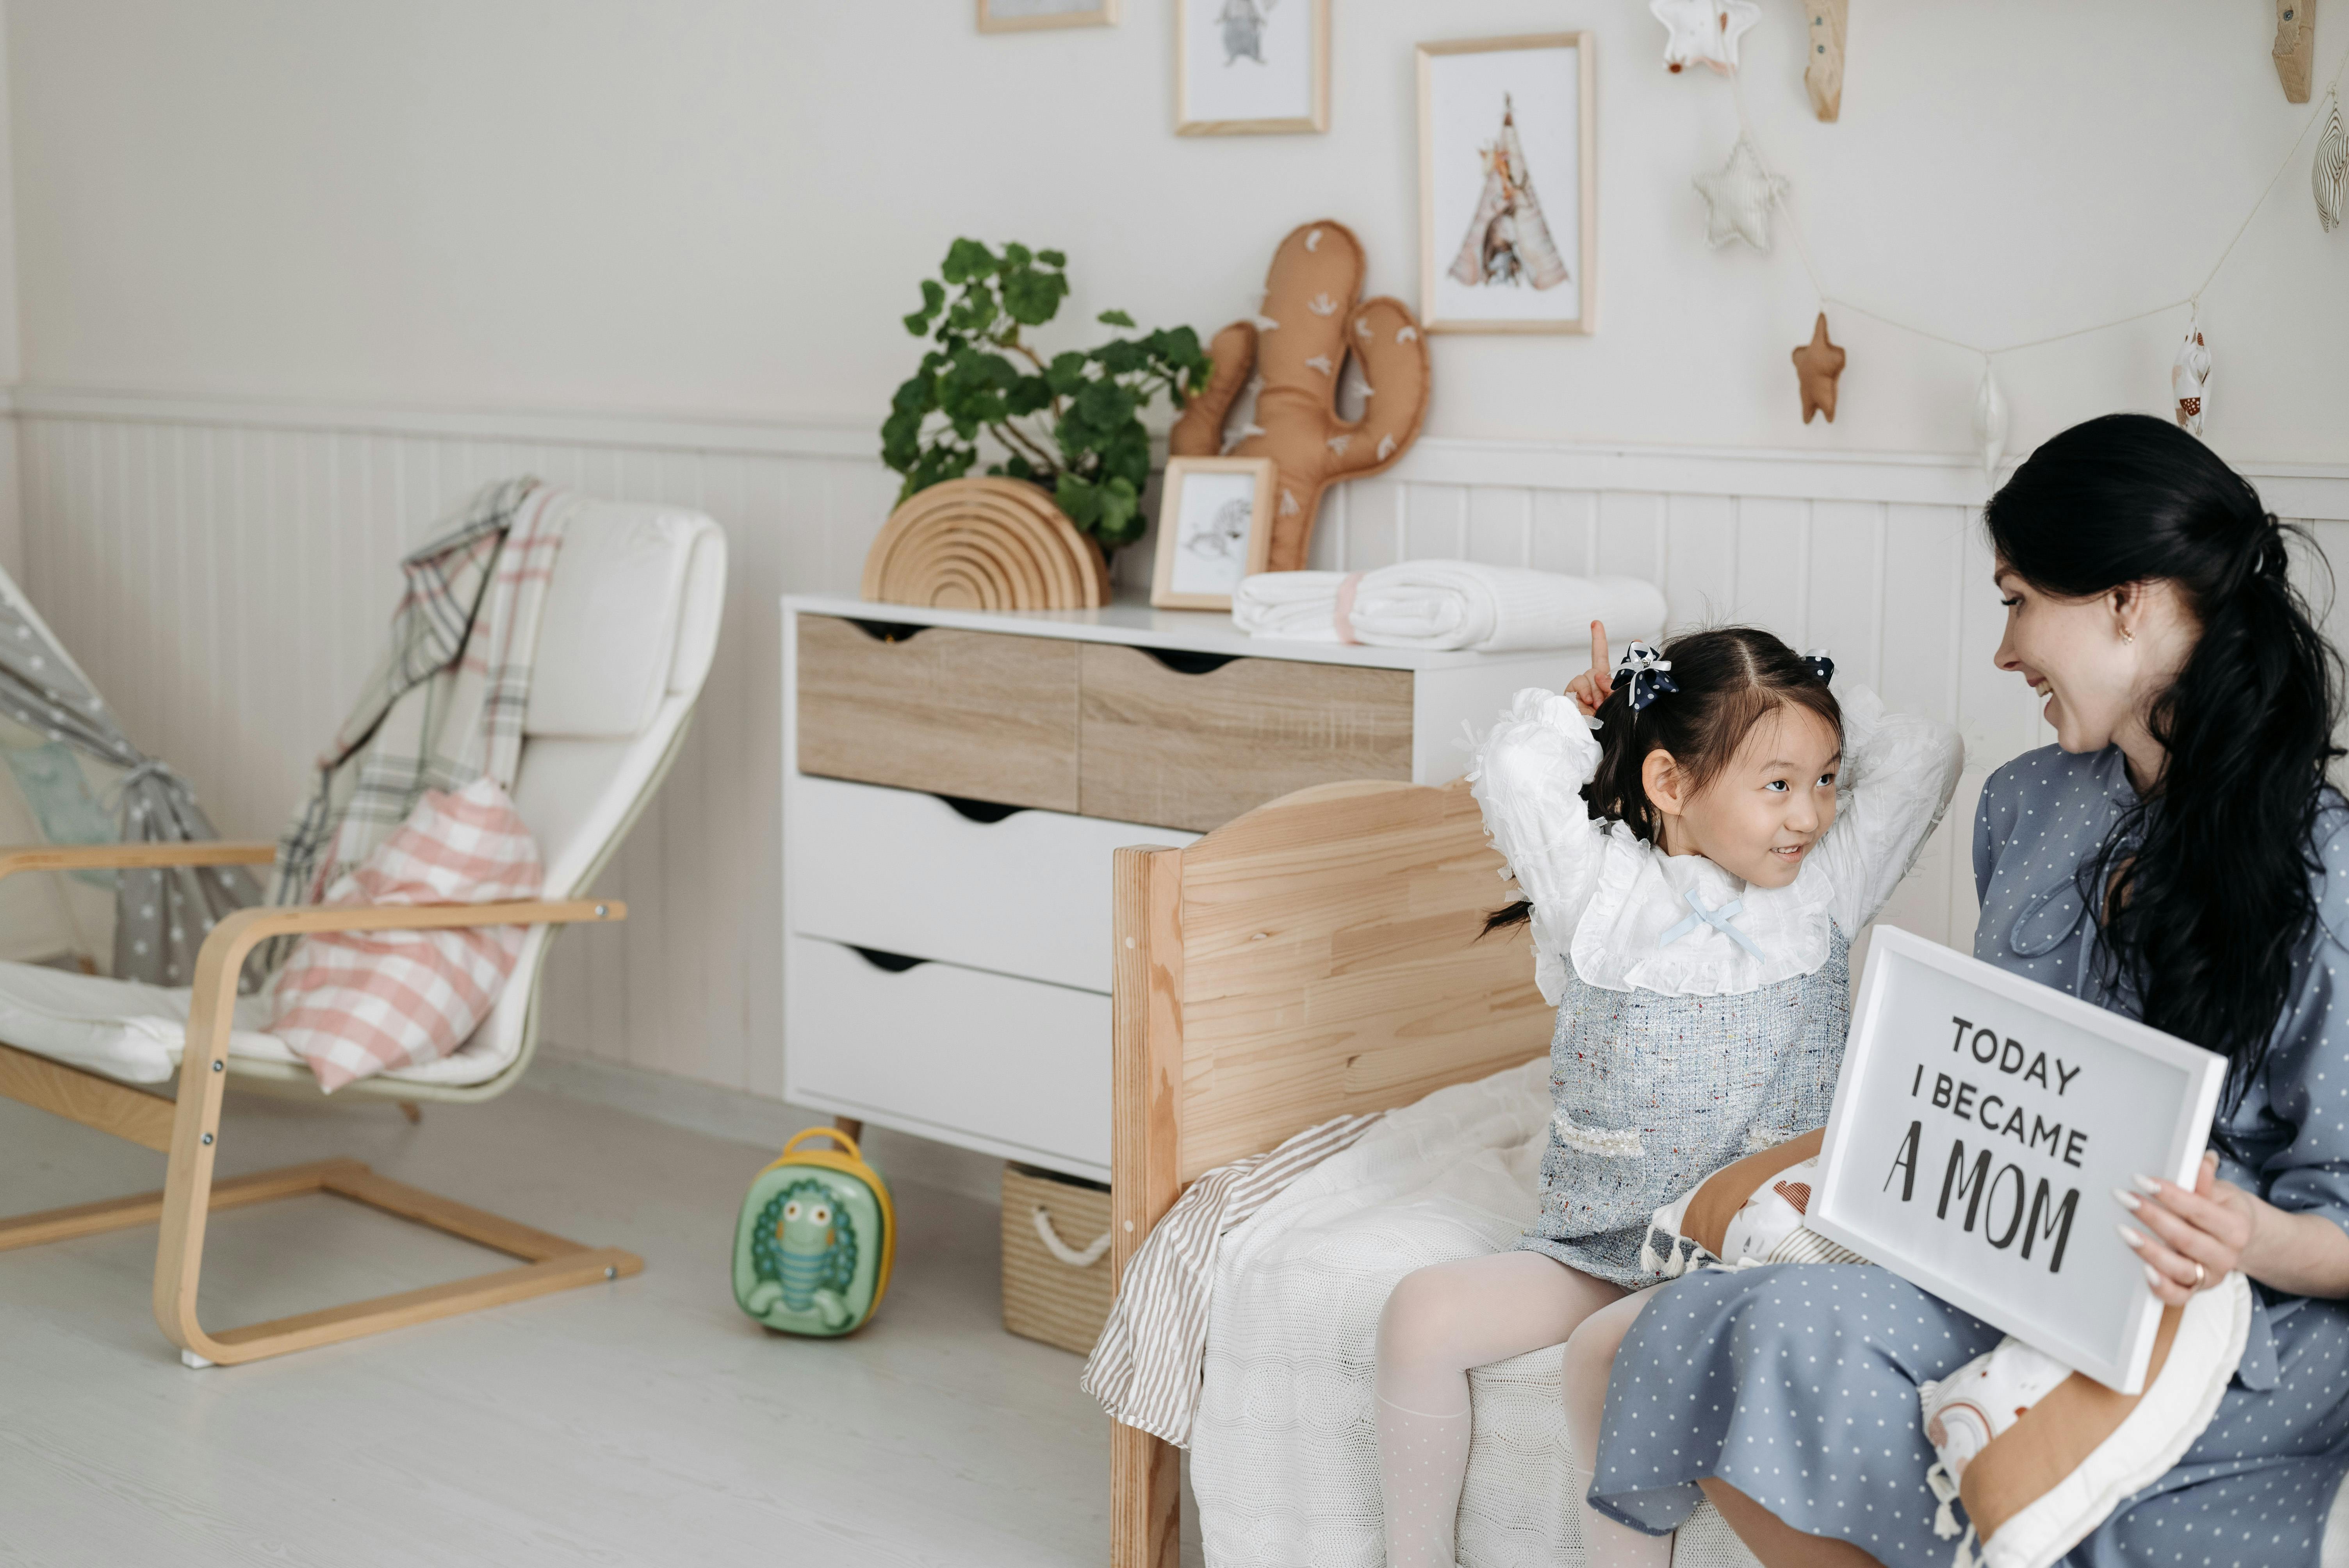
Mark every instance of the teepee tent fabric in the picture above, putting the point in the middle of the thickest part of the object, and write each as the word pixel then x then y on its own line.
pixel 161 916
pixel 1508 240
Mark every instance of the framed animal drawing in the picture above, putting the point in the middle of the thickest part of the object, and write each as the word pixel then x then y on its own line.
pixel 1214 528
pixel 1244 68
pixel 1025 15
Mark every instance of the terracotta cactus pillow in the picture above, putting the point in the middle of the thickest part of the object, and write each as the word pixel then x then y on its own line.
pixel 1298 345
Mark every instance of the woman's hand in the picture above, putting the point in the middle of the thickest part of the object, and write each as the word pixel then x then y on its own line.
pixel 1596 684
pixel 2222 1227
pixel 2197 1236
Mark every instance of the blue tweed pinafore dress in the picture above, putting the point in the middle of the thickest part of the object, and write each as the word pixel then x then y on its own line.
pixel 1652 1094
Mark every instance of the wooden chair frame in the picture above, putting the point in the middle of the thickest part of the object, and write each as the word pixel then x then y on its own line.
pixel 1318 956
pixel 186 1127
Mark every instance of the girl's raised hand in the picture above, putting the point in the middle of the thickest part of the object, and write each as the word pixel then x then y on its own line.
pixel 1596 684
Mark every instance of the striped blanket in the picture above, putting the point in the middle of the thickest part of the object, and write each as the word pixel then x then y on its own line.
pixel 1145 1369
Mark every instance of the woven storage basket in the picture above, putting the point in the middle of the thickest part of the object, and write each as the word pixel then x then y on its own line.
pixel 1053 1295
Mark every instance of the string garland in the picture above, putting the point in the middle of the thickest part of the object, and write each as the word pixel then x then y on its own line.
pixel 1778 193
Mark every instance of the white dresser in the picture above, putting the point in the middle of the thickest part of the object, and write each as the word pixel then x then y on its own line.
pixel 954 784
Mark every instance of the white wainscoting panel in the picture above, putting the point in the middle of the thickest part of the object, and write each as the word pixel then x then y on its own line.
pixel 225 570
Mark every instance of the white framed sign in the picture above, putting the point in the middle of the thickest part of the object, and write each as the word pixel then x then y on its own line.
pixel 1981 1125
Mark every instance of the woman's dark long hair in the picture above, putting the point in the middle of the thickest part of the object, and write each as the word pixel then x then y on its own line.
pixel 1728 678
pixel 2203 886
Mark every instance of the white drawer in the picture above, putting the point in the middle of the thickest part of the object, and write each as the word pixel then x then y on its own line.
pixel 907 872
pixel 1015 1068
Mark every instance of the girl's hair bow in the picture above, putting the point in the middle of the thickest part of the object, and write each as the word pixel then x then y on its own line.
pixel 1821 665
pixel 1648 679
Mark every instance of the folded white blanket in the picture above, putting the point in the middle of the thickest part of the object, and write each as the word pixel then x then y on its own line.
pixel 1446 605
pixel 1145 1369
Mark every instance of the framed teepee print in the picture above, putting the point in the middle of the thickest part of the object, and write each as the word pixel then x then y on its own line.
pixel 1508 208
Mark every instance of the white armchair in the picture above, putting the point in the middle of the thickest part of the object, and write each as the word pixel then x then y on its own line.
pixel 629 628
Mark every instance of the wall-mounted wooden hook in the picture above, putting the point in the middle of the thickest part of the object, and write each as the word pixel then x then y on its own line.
pixel 2295 46
pixel 1823 55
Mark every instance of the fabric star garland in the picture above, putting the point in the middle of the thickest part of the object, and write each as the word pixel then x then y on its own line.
pixel 1703 32
pixel 1817 365
pixel 1737 198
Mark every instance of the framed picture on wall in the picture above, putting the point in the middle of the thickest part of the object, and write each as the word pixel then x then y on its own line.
pixel 1023 15
pixel 1244 68
pixel 1509 215
pixel 1213 528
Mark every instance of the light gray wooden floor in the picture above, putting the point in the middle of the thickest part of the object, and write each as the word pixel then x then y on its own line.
pixel 642 1422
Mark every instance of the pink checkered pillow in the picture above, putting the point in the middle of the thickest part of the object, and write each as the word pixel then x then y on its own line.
pixel 355 1003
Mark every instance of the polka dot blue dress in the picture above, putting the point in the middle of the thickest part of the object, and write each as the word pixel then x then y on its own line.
pixel 1798 1384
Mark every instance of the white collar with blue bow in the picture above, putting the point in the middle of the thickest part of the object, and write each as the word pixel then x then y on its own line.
pixel 1699 917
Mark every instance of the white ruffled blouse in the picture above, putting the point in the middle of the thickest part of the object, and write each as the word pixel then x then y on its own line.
pixel 1604 900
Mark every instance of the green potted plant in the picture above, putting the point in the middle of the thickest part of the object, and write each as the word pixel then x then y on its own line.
pixel 1071 424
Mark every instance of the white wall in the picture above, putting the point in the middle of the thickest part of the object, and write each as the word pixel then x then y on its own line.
pixel 223 570
pixel 723 206
pixel 267 252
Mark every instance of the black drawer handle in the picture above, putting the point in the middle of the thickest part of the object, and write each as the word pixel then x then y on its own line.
pixel 895 963
pixel 1186 662
pixel 889 630
pixel 987 812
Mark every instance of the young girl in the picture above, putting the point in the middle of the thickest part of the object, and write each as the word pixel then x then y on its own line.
pixel 1694 872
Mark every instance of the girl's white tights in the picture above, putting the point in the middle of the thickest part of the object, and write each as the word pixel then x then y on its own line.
pixel 1440 1322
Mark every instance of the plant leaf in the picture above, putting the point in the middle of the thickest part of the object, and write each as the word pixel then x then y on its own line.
pixel 1105 404
pixel 1066 374
pixel 1033 298
pixel 1119 520
pixel 967 259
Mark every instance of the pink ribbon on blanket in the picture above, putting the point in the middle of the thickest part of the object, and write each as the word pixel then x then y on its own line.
pixel 1344 617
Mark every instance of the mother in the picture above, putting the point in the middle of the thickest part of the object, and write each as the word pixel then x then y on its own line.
pixel 2184 803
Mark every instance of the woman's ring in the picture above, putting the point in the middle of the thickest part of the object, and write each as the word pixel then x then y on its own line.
pixel 2201 1276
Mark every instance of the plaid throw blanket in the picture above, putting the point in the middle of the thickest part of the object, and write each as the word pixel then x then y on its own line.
pixel 446 705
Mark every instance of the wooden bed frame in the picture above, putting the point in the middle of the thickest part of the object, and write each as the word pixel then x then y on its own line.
pixel 1316 957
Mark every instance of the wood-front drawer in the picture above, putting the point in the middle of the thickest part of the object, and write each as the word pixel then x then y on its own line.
pixel 1023 892
pixel 1195 749
pixel 980 715
pixel 1015 1065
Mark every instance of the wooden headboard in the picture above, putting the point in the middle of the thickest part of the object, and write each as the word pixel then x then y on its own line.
pixel 1316 957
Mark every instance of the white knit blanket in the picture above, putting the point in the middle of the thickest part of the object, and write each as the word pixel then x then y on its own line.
pixel 1145 1369
pixel 1284 1450
pixel 1446 605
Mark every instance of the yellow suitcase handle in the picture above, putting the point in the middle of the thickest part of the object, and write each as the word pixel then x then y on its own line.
pixel 834 1133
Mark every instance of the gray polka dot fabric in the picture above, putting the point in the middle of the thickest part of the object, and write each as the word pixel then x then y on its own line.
pixel 160 917
pixel 1798 1384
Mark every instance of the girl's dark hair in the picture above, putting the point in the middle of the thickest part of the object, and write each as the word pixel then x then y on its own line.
pixel 2203 905
pixel 1729 679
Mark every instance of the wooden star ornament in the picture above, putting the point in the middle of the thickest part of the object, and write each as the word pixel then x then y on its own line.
pixel 1817 365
